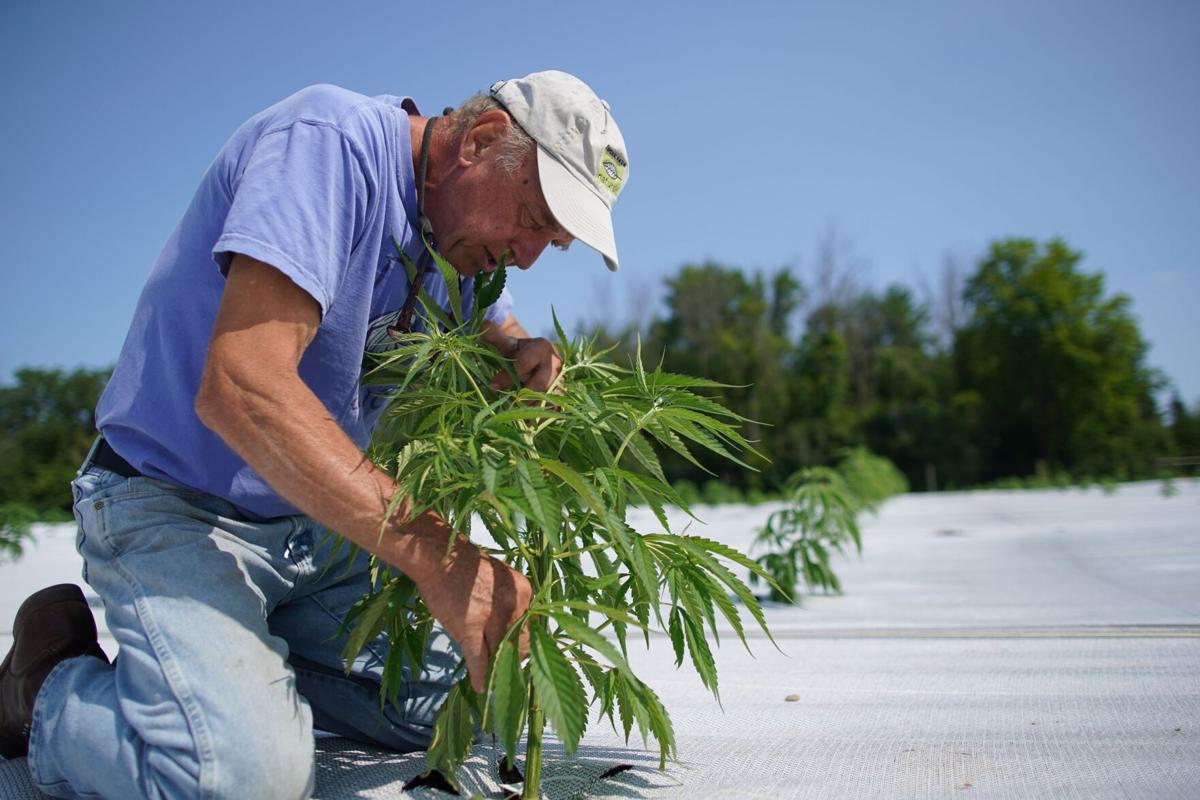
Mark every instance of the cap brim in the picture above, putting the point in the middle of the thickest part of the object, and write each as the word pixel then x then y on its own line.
pixel 577 208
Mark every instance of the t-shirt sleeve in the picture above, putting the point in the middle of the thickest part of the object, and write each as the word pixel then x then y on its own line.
pixel 498 311
pixel 299 205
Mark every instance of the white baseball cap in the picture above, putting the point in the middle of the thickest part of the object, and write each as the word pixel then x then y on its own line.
pixel 582 162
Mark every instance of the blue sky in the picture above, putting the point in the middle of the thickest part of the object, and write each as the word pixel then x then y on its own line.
pixel 915 131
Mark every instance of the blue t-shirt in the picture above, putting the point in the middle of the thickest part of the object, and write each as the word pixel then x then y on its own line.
pixel 315 186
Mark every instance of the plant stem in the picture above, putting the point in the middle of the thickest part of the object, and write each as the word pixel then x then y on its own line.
pixel 533 749
pixel 540 574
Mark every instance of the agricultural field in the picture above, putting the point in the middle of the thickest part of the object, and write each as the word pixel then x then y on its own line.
pixel 1037 643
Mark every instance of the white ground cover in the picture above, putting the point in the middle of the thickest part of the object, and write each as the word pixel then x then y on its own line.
pixel 1033 644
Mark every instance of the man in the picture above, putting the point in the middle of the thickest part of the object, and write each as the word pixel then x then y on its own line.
pixel 232 436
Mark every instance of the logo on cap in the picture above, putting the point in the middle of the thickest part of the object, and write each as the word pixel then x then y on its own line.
pixel 612 170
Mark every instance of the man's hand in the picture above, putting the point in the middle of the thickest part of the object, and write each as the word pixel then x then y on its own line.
pixel 536 362
pixel 475 597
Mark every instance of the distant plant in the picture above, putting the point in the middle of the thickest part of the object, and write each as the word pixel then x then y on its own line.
pixel 819 518
pixel 687 492
pixel 551 477
pixel 1054 480
pixel 1169 489
pixel 870 478
pixel 716 493
pixel 756 497
pixel 16 520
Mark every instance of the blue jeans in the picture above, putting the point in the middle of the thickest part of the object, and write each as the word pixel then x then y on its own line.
pixel 229 654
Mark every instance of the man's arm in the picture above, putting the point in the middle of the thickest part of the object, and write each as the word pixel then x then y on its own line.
pixel 536 361
pixel 511 327
pixel 252 396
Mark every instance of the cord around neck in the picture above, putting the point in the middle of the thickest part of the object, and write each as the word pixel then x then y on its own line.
pixel 423 167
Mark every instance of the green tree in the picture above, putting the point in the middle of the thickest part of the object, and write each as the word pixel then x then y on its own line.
pixel 720 321
pixel 1058 367
pixel 47 423
pixel 818 421
pixel 1184 426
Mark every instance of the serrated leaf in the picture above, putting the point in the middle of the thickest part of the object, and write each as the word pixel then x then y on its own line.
pixel 587 636
pixel 586 492
pixel 509 697
pixel 615 614
pixel 487 294
pixel 702 658
pixel 543 504
pixel 659 722
pixel 625 706
pixel 701 548
pixel 453 733
pixel 675 628
pixel 369 623
pixel 450 277
pixel 557 687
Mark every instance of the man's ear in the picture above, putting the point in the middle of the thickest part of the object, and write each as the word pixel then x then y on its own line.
pixel 484 132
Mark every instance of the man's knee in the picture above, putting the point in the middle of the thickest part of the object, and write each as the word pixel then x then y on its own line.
pixel 266 763
pixel 258 758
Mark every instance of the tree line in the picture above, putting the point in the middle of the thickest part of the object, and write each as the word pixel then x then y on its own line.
pixel 1026 366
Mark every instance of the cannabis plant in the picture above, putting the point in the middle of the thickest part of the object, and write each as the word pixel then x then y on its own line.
pixel 819 517
pixel 871 479
pixel 551 477
pixel 16 520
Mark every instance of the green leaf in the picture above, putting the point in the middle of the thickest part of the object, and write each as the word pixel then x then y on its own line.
pixel 678 421
pixel 487 294
pixel 675 628
pixel 647 575
pixel 720 599
pixel 543 505
pixel 370 622
pixel 436 312
pixel 509 696
pixel 450 277
pixel 700 549
pixel 626 705
pixel 659 722
pixel 702 657
pixel 614 614
pixel 453 733
pixel 583 488
pixel 587 636
pixel 662 380
pixel 557 687
pixel 524 412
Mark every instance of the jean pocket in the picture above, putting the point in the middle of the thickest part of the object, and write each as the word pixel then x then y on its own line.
pixel 149 520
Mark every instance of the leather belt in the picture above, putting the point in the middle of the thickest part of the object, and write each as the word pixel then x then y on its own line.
pixel 107 458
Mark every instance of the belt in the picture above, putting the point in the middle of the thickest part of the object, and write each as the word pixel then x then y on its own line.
pixel 105 456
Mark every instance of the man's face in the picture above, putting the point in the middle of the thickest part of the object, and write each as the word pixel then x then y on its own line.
pixel 480 213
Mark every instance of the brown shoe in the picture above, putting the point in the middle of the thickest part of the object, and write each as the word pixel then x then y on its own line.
pixel 51 625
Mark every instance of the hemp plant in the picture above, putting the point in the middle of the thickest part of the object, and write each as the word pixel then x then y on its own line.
pixel 551 477
pixel 820 516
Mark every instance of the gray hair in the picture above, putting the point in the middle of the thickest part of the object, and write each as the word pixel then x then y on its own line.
pixel 515 146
